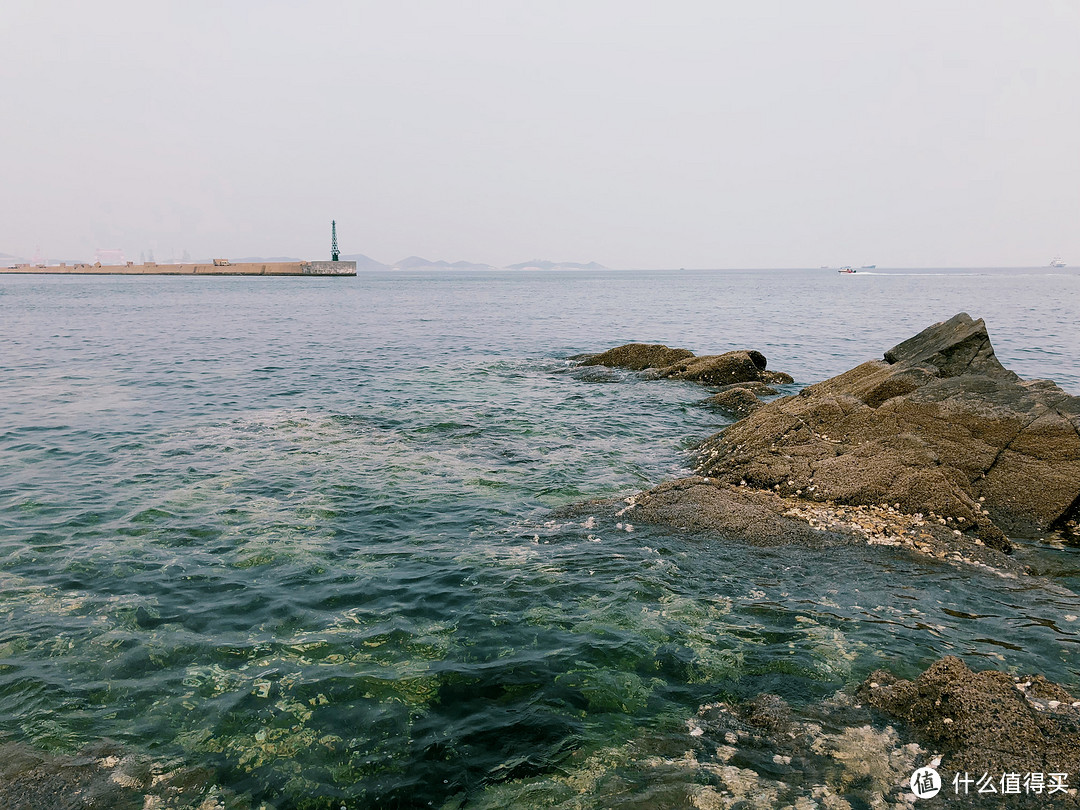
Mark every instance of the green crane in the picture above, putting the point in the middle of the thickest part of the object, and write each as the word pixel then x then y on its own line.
pixel 334 252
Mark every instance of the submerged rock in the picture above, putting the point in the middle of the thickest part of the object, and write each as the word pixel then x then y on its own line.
pixel 104 775
pixel 757 756
pixel 986 722
pixel 765 756
pixel 938 427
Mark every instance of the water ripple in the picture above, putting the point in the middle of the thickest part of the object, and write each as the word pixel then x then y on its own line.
pixel 302 533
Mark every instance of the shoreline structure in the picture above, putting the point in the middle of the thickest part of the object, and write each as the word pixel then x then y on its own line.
pixel 219 267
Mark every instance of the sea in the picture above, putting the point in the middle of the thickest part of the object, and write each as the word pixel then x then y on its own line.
pixel 307 534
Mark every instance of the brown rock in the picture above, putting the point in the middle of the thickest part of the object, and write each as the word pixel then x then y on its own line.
pixel 718 369
pixel 765 518
pixel 682 364
pixel 637 356
pixel 776 378
pixel 984 722
pixel 757 387
pixel 737 402
pixel 938 426
pixel 737 513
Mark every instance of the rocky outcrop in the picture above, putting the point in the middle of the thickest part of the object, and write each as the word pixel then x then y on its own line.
pixel 724 369
pixel 737 373
pixel 985 722
pixel 637 356
pixel 937 428
pixel 753 516
pixel 767 518
pixel 937 448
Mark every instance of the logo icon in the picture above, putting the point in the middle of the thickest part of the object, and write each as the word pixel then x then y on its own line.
pixel 925 783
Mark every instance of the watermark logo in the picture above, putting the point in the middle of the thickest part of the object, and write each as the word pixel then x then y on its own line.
pixel 925 783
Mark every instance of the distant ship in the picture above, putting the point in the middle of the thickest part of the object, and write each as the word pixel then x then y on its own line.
pixel 868 267
pixel 1057 261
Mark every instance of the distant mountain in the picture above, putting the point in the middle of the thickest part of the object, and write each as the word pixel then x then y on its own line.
pixel 420 263
pixel 471 266
pixel 544 264
pixel 365 262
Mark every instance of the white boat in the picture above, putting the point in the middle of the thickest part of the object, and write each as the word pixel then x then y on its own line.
pixel 1057 261
pixel 847 270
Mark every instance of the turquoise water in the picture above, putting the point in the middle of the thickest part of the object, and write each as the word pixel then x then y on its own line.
pixel 300 530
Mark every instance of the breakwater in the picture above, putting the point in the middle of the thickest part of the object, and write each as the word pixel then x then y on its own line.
pixel 216 268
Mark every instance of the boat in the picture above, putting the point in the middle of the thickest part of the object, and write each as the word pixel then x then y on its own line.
pixel 868 267
pixel 1057 261
pixel 847 270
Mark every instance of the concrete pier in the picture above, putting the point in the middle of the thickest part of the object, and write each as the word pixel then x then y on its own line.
pixel 219 267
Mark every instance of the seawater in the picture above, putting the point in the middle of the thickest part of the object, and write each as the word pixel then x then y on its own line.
pixel 300 530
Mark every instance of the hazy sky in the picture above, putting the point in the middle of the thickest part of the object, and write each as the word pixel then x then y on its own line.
pixel 636 134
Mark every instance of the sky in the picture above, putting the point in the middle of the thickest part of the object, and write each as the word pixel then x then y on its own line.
pixel 703 133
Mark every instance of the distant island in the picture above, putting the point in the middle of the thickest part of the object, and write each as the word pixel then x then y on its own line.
pixel 543 264
pixel 420 263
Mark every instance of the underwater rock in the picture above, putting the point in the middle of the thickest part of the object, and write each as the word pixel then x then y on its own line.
pixel 986 722
pixel 770 712
pixel 104 775
pixel 803 764
pixel 757 756
pixel 938 427
pixel 682 364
